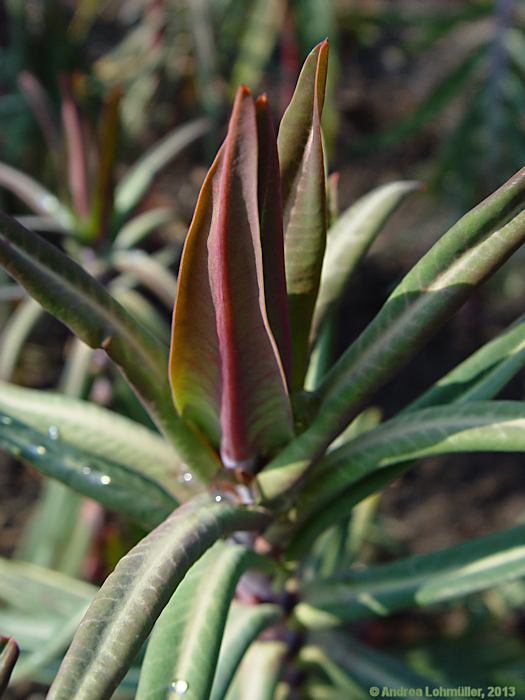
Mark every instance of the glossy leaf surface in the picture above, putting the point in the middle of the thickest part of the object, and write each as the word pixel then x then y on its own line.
pixel 304 200
pixel 124 611
pixel 107 482
pixel 481 426
pixel 225 370
pixel 429 294
pixel 79 301
pixel 97 431
pixel 417 581
pixel 184 645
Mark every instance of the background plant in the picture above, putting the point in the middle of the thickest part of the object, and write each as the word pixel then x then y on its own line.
pixel 246 449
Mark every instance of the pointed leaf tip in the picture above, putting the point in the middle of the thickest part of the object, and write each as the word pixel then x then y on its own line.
pixel 226 374
pixel 304 200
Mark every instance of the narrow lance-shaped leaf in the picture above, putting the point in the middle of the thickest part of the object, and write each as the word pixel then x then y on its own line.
pixel 350 237
pixel 78 300
pixel 184 645
pixel 272 236
pixel 40 104
pixel 140 176
pixel 304 201
pixel 429 294
pixel 420 580
pixel 8 658
pixel 107 154
pixel 98 431
pixel 480 377
pixel 35 196
pixel 261 670
pixel 115 486
pixel 124 611
pixel 245 623
pixel 364 666
pixel 225 369
pixel 76 149
pixel 480 426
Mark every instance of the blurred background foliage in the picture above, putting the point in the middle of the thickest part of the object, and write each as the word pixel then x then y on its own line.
pixel 94 93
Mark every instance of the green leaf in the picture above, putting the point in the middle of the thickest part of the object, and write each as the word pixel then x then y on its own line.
pixel 139 178
pixel 244 624
pixel 350 237
pixel 428 295
pixel 36 591
pixel 482 426
pixel 79 301
pixel 257 43
pixel 272 236
pixel 15 333
pixel 225 370
pixel 8 658
pixel 416 581
pixel 184 645
pixel 36 197
pixel 149 271
pixel 131 599
pixel 304 200
pixel 97 431
pixel 364 666
pixel 108 482
pixel 261 670
pixel 481 375
pixel 140 226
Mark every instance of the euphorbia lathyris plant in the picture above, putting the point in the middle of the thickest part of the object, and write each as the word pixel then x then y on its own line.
pixel 245 448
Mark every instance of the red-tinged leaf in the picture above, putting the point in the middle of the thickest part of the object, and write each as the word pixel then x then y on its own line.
pixel 40 104
pixel 76 150
pixel 272 239
pixel 105 183
pixel 304 199
pixel 8 658
pixel 225 370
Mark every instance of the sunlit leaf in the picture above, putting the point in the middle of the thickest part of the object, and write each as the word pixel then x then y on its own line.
pixel 428 295
pixel 304 201
pixel 124 611
pixel 66 290
pixel 225 370
pixel 184 645
pixel 350 237
pixel 421 580
pixel 138 179
pixel 113 485
pixel 97 431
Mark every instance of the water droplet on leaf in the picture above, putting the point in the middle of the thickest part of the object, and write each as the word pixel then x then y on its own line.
pixel 53 432
pixel 217 498
pixel 187 477
pixel 180 687
pixel 105 479
pixel 37 450
pixel 86 470
pixel 5 420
